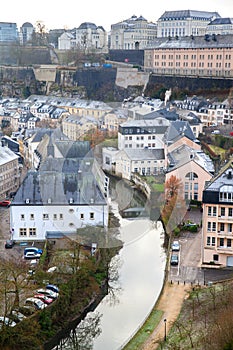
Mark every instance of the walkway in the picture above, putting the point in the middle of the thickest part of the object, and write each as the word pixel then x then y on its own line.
pixel 170 303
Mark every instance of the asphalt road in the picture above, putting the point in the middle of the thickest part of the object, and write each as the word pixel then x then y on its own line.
pixel 189 268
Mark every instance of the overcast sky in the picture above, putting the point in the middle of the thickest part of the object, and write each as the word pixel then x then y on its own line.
pixel 71 13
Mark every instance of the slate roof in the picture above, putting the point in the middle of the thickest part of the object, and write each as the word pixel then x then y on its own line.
pixel 61 182
pixel 194 42
pixel 221 21
pixel 185 154
pixel 178 129
pixel 183 14
pixel 145 154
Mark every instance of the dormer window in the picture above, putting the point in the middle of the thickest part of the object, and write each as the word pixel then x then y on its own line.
pixel 226 193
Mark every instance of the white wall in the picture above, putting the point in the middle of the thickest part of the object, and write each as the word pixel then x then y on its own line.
pixel 68 219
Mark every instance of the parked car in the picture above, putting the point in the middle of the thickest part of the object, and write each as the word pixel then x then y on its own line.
pixel 174 259
pixel 5 203
pixel 6 321
pixel 32 250
pixel 47 292
pixel 32 255
pixel 17 316
pixel 53 287
pixel 175 246
pixel 9 243
pixel 37 303
pixel 216 132
pixel 47 300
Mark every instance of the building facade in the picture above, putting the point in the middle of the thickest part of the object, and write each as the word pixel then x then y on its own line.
pixel 86 37
pixel 220 26
pixel 8 32
pixel 9 172
pixel 132 34
pixel 217 231
pixel 183 23
pixel 202 56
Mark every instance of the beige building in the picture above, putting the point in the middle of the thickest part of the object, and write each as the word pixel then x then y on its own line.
pixel 75 127
pixel 183 23
pixel 202 56
pixel 217 231
pixel 132 34
pixel 9 172
pixel 193 168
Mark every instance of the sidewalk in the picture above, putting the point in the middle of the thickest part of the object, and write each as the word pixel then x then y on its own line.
pixel 170 303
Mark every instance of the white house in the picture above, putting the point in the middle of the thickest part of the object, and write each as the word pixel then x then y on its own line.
pixel 61 197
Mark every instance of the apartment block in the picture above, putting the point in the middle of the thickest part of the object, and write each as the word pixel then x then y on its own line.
pixel 217 231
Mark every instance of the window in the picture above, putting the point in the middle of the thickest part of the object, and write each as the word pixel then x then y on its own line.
pixel 71 211
pixel 32 231
pixel 222 227
pixel 209 210
pixel 107 160
pixel 31 216
pixel 229 211
pixel 213 241
pixel 45 216
pixel 81 216
pixel 222 211
pixel 221 242
pixel 208 240
pixel 214 226
pixel 61 216
pixel 214 211
pixel 22 216
pixel 92 216
pixel 215 257
pixel 54 216
pixel 229 243
pixel 209 226
pixel 23 231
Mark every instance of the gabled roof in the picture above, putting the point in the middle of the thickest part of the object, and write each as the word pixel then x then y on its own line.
pixel 179 129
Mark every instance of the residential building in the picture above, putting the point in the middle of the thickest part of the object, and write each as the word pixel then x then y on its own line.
pixel 113 119
pixel 86 37
pixel 64 195
pixel 76 127
pixel 217 219
pixel 220 26
pixel 132 34
pixel 193 167
pixel 184 23
pixel 194 56
pixel 180 133
pixel 9 172
pixel 141 134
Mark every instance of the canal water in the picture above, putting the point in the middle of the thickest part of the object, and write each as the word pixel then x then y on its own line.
pixel 138 274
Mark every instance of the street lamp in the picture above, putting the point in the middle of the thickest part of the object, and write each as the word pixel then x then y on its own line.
pixel 165 329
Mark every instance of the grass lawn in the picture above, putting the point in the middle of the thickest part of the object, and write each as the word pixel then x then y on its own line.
pixel 218 150
pixel 145 331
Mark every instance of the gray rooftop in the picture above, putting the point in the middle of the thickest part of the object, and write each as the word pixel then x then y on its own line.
pixel 60 182
pixel 145 154
pixel 184 14
pixel 194 42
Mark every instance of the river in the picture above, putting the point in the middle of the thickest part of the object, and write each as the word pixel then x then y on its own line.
pixel 140 267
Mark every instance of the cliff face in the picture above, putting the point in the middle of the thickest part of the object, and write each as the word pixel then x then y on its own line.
pixel 35 70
